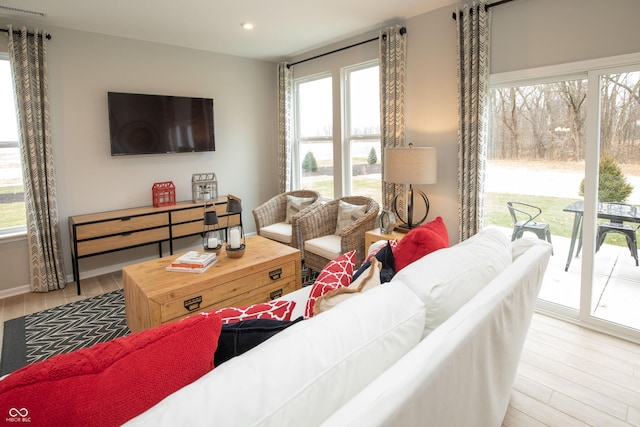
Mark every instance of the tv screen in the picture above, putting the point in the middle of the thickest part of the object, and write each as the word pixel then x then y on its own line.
pixel 153 124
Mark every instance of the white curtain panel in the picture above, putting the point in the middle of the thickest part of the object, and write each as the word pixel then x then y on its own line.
pixel 285 128
pixel 28 57
pixel 473 86
pixel 393 52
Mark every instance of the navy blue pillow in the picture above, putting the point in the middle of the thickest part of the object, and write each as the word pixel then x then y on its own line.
pixel 388 269
pixel 236 338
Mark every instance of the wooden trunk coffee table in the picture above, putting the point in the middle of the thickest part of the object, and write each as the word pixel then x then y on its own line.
pixel 154 296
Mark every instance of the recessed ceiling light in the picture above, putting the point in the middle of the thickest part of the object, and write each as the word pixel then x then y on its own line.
pixel 247 25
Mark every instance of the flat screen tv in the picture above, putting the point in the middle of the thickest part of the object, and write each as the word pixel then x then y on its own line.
pixel 154 124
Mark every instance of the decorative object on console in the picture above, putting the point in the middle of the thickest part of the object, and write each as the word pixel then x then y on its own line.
pixel 204 186
pixel 163 194
pixel 211 240
pixel 387 221
pixel 236 243
pixel 410 166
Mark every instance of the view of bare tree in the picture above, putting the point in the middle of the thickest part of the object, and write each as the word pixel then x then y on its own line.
pixel 547 121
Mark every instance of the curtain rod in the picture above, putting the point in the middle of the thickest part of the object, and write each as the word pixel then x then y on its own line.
pixel 47 36
pixel 486 7
pixel 403 30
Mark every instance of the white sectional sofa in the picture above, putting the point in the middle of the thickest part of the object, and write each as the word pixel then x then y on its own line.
pixel 439 345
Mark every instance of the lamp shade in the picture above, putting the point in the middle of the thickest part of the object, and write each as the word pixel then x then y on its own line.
pixel 409 165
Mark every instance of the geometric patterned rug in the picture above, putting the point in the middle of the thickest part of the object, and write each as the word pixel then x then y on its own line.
pixel 67 328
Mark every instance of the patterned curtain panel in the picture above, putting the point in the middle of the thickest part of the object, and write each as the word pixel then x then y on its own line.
pixel 285 128
pixel 473 85
pixel 393 52
pixel 28 57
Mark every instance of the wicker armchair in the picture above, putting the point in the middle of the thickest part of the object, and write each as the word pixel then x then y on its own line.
pixel 320 222
pixel 270 218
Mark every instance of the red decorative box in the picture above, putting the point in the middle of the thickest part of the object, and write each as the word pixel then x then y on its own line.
pixel 164 194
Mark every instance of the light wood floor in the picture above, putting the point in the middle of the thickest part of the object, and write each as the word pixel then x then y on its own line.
pixel 568 375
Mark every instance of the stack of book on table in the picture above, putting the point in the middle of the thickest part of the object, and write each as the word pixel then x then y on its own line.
pixel 193 262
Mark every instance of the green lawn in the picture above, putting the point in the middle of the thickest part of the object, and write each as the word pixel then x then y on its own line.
pixel 362 186
pixel 11 214
pixel 560 222
pixel 10 189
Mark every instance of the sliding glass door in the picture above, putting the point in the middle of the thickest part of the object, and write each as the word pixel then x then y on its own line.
pixel 535 166
pixel 615 285
pixel 565 145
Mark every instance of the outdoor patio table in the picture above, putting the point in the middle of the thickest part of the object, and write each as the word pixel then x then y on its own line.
pixel 616 212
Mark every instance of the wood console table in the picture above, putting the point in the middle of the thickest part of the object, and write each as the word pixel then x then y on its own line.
pixel 105 232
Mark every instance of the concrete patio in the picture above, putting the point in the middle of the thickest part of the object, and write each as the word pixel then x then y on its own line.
pixel 616 292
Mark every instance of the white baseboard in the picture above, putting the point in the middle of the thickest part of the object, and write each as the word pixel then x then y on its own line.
pixel 19 290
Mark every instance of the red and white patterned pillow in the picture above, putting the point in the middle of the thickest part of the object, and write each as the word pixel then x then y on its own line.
pixel 274 310
pixel 336 274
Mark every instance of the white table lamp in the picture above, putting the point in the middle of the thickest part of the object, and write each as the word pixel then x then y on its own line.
pixel 411 165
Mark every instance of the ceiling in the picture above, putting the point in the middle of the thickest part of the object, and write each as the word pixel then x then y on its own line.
pixel 283 28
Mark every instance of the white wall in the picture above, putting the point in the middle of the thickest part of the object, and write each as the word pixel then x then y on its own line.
pixel 432 109
pixel 535 33
pixel 83 67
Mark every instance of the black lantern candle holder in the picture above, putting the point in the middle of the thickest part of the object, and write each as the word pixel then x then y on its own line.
pixel 211 240
pixel 236 243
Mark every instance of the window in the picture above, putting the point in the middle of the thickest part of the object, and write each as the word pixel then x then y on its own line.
pixel 12 209
pixel 355 150
pixel 362 136
pixel 313 151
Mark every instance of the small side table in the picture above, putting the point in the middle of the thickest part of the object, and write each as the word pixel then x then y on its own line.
pixel 374 235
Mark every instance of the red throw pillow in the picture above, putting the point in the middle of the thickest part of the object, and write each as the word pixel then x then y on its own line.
pixel 421 241
pixel 336 274
pixel 110 383
pixel 274 310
